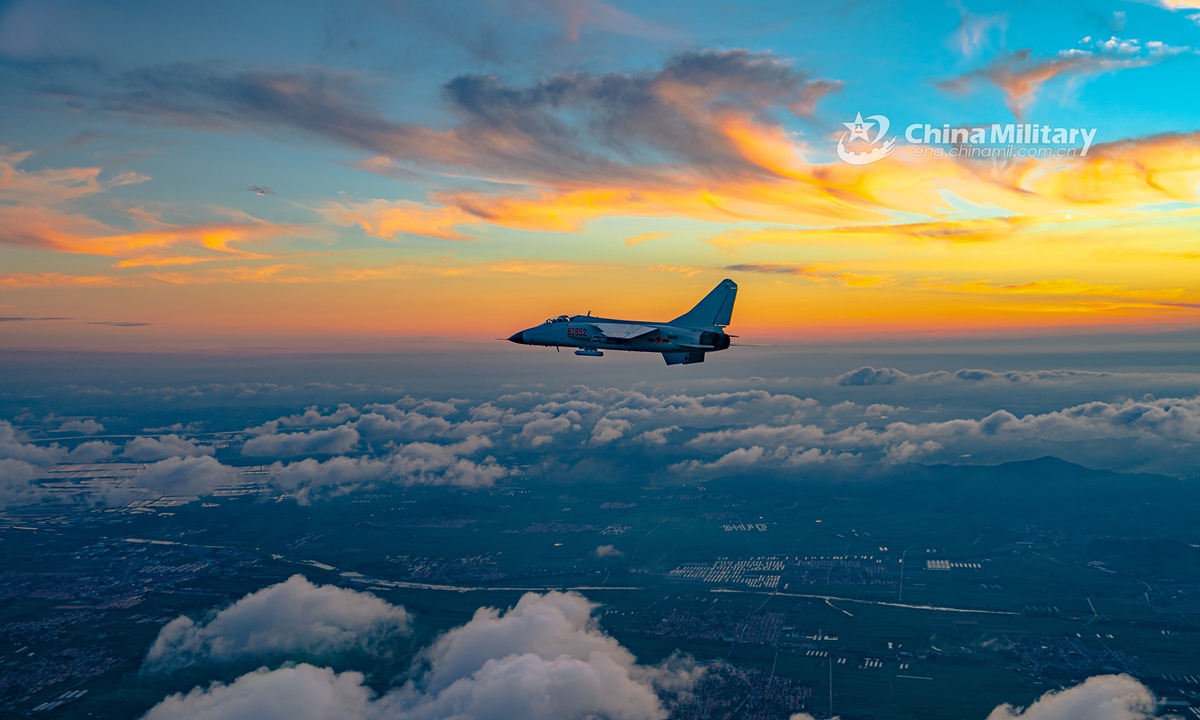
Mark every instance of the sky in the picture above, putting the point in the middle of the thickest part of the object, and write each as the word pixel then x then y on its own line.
pixel 233 175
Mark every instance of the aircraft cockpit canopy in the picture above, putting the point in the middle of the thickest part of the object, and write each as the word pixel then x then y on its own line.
pixel 560 318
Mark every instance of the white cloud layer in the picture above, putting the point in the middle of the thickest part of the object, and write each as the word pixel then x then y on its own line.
pixel 184 476
pixel 12 447
pixel 17 486
pixel 295 616
pixel 334 441
pixel 302 692
pixel 544 659
pixel 148 449
pixel 91 451
pixel 1103 697
pixel 1160 435
pixel 85 427
pixel 868 375
pixel 413 464
pixel 435 442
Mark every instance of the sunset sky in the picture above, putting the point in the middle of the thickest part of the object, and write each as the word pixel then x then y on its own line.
pixel 237 174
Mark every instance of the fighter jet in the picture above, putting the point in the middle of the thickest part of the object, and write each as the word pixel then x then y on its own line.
pixel 682 341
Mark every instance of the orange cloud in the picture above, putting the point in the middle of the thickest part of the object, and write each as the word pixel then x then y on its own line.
pixel 239 274
pixel 819 273
pixel 1129 173
pixel 48 186
pixel 684 270
pixel 386 219
pixel 644 237
pixel 39 209
pixel 51 229
pixel 1066 286
pixel 53 279
pixel 1116 176
pixel 953 231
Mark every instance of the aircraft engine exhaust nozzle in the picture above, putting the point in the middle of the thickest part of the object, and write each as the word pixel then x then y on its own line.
pixel 518 338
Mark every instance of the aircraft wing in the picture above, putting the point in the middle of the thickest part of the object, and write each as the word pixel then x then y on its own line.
pixel 622 330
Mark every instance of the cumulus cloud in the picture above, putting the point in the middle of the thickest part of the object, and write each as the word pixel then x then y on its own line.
pixel 302 692
pixel 908 451
pixel 436 407
pixel 713 407
pixel 185 476
pixel 148 449
pixel 12 447
pixel 85 427
pixel 408 419
pixel 399 425
pixel 738 458
pixel 334 441
pixel 17 486
pixel 1160 435
pixel 868 375
pixel 1103 697
pixel 544 659
pixel 604 551
pixel 701 433
pixel 657 436
pixel 766 435
pixel 92 451
pixel 795 457
pixel 608 429
pixel 430 463
pixel 541 430
pixel 310 418
pixel 413 464
pixel 292 617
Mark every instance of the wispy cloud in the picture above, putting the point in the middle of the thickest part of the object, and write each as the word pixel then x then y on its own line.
pixel 1020 75
pixel 387 219
pixel 974 31
pixel 645 237
pixel 53 279
pixel 954 231
pixel 40 209
pixel 819 273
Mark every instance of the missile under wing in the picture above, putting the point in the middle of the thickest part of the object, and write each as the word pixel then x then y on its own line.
pixel 682 341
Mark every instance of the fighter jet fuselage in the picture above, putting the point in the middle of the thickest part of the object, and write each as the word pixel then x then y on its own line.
pixel 682 341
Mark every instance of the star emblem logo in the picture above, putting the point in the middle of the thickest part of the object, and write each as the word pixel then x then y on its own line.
pixel 878 147
pixel 858 129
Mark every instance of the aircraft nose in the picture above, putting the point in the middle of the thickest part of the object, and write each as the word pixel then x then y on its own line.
pixel 518 338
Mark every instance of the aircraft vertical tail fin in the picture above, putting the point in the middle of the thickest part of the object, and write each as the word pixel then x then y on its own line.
pixel 715 310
